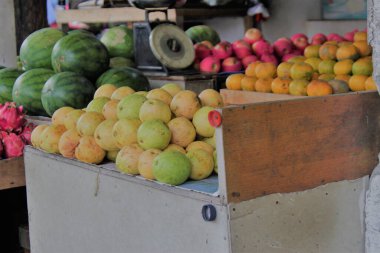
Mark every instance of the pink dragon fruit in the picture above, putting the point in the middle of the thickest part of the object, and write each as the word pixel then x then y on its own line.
pixel 11 117
pixel 13 144
pixel 27 132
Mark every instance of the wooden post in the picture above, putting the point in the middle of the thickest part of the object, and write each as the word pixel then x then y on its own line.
pixel 30 16
pixel 7 38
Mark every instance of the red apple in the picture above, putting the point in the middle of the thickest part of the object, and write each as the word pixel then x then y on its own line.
pixel 208 44
pixel 262 47
pixel 269 58
pixel 222 50
pixel 288 57
pixel 252 35
pixel 350 35
pixel 249 59
pixel 318 39
pixel 300 41
pixel 210 65
pixel 335 37
pixel 241 49
pixel 231 64
pixel 282 46
pixel 201 51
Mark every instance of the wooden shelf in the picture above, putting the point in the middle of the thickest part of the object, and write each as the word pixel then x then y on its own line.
pixel 12 173
pixel 131 14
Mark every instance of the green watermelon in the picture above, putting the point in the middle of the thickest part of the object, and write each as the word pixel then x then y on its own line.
pixel 201 33
pixel 82 32
pixel 66 89
pixel 35 51
pixel 27 90
pixel 117 62
pixel 119 41
pixel 84 55
pixel 8 77
pixel 124 77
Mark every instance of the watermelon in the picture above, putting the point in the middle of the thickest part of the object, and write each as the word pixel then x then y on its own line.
pixel 119 41
pixel 81 54
pixel 35 51
pixel 8 77
pixel 82 32
pixel 27 90
pixel 124 76
pixel 201 33
pixel 66 89
pixel 117 62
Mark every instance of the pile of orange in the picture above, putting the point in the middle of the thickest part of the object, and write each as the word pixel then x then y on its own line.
pixel 334 67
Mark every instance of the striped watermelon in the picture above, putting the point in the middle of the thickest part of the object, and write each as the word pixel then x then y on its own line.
pixel 35 51
pixel 27 90
pixel 81 54
pixel 124 76
pixel 119 41
pixel 201 33
pixel 117 62
pixel 8 77
pixel 66 89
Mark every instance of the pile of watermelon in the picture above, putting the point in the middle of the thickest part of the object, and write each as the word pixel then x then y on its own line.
pixel 60 69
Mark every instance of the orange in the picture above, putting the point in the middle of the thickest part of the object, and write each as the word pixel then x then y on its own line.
pixel 370 84
pixel 358 36
pixel 264 85
pixel 280 85
pixel 344 43
pixel 298 87
pixel 265 70
pixel 326 77
pixel 105 90
pixel 347 52
pixel 248 83
pixel 283 70
pixel 250 70
pixel 357 82
pixel 314 62
pixel 233 82
pixel 339 86
pixel 363 66
pixel 319 88
pixel 301 70
pixel 326 67
pixel 343 67
pixel 312 51
pixel 331 42
pixel 296 59
pixel 328 52
pixel 345 78
pixel 363 48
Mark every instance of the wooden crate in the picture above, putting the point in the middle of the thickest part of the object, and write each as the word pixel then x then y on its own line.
pixel 12 173
pixel 297 144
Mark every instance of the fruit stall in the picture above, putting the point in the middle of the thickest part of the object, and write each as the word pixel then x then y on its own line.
pixel 153 136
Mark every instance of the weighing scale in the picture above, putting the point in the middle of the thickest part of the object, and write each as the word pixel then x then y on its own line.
pixel 161 47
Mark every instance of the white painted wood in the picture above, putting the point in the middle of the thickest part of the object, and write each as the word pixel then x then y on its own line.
pixel 326 219
pixel 77 208
pixel 8 51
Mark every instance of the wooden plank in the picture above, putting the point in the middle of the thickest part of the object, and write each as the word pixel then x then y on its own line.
pixel 108 15
pixel 12 173
pixel 238 97
pixel 289 146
